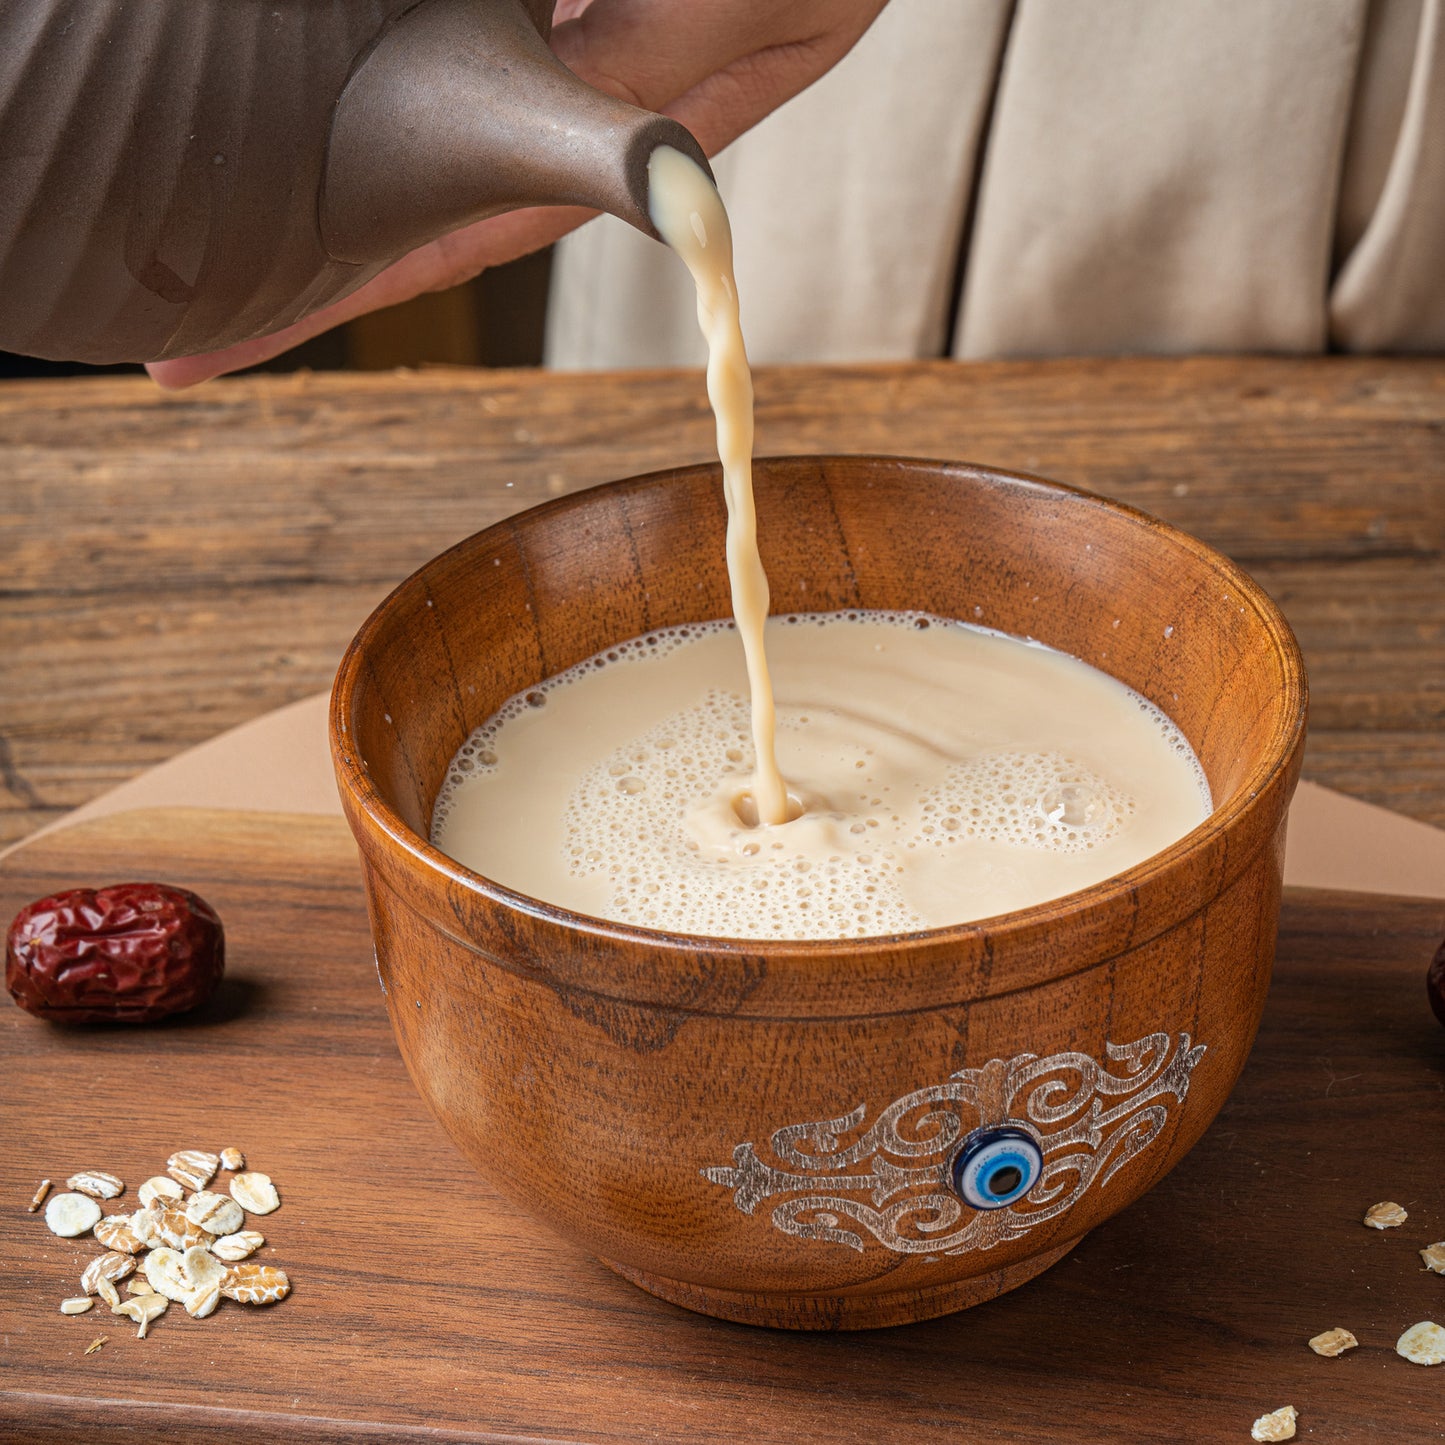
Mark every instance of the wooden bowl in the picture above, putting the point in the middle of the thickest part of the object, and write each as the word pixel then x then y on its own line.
pixel 774 1132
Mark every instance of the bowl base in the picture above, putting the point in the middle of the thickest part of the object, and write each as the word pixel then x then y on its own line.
pixel 842 1311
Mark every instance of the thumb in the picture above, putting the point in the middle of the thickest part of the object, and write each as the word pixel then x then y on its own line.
pixel 650 52
pixel 719 69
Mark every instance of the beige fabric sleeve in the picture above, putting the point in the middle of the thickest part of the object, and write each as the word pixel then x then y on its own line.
pixel 1162 178
pixel 847 208
pixel 1390 293
pixel 1124 175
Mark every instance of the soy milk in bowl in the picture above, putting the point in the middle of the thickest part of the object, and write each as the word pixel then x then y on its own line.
pixel 937 774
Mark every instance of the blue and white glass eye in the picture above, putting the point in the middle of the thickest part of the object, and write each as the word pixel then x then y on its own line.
pixel 995 1166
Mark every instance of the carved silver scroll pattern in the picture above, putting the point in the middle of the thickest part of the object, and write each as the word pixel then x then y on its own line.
pixel 837 1180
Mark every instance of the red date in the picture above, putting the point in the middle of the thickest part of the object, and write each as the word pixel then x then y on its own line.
pixel 1435 983
pixel 132 953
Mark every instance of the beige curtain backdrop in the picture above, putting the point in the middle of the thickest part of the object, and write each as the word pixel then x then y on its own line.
pixel 985 178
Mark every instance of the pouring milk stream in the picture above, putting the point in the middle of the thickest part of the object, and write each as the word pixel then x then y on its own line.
pixel 940 772
pixel 689 216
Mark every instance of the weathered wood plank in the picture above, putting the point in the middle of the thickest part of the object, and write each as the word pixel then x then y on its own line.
pixel 317 471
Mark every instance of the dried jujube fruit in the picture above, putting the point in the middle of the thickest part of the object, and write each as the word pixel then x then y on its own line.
pixel 132 953
pixel 1435 983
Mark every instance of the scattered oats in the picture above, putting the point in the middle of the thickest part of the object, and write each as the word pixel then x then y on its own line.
pixel 198 1251
pixel 111 1266
pixel 96 1343
pixel 158 1187
pixel 173 1227
pixel 1277 1425
pixel 1422 1344
pixel 1434 1257
pixel 193 1167
pixel 165 1270
pixel 256 1284
pixel 232 1247
pixel 97 1183
pixel 255 1193
pixel 1385 1216
pixel 1332 1343
pixel 215 1213
pixel 69 1215
pixel 115 1232
pixel 143 1309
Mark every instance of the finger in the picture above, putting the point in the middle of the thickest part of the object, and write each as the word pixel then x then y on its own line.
pixel 566 10
pixel 649 52
pixel 733 100
pixel 184 371
pixel 653 52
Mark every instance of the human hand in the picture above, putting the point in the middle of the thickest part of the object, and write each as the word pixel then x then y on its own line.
pixel 717 66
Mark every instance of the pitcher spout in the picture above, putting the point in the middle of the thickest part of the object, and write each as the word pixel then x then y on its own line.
pixel 460 111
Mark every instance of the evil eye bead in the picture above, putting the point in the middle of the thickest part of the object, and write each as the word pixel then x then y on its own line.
pixel 994 1167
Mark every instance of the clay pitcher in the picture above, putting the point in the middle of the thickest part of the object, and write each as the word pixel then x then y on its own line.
pixel 178 175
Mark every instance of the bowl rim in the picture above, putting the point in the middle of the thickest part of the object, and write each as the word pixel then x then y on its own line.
pixel 1278 766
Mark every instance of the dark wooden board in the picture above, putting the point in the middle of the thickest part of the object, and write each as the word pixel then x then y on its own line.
pixel 425 1307
pixel 178 563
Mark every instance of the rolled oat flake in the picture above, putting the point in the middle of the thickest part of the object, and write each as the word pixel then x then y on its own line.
pixel 159 1186
pixel 1422 1344
pixel 1333 1342
pixel 1277 1425
pixel 70 1215
pixel 1387 1215
pixel 97 1183
pixel 255 1193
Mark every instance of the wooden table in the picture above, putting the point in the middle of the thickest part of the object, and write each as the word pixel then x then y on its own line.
pixel 175 564
pixel 428 1309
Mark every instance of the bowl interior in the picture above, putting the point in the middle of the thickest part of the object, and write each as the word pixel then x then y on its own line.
pixel 528 598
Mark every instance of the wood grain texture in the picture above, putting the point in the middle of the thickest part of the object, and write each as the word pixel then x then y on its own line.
pixel 176 564
pixel 426 1308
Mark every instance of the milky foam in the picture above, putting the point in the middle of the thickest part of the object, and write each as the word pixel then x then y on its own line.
pixel 629 817
pixel 907 809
